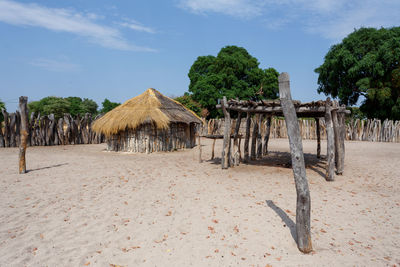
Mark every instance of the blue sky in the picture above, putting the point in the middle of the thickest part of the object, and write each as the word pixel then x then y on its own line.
pixel 117 49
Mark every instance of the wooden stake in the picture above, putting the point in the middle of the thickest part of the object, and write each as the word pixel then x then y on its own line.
pixel 342 136
pixel 200 160
pixel 236 149
pixel 317 121
pixel 330 150
pixel 227 136
pixel 259 140
pixel 6 128
pixel 247 138
pixel 212 151
pixel 23 100
pixel 266 137
pixel 254 137
pixel 296 148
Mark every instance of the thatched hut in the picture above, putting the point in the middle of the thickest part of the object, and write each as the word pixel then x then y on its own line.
pixel 147 123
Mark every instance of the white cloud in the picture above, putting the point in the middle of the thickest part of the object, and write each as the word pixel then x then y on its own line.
pixel 237 8
pixel 62 65
pixel 332 19
pixel 137 27
pixel 64 20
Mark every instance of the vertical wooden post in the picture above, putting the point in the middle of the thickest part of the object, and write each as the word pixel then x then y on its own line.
pixel 296 149
pixel 317 121
pixel 330 140
pixel 247 138
pixel 336 129
pixel 6 128
pixel 259 140
pixel 227 136
pixel 254 137
pixel 342 136
pixel 236 149
pixel 266 137
pixel 13 122
pixel 212 151
pixel 23 100
pixel 200 160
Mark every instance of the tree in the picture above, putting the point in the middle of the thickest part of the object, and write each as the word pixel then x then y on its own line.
pixel 88 106
pixel 2 106
pixel 365 63
pixel 189 103
pixel 74 105
pixel 233 73
pixel 108 106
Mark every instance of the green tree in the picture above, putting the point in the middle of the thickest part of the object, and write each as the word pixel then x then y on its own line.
pixel 2 106
pixel 108 106
pixel 88 106
pixel 365 63
pixel 75 107
pixel 189 103
pixel 233 73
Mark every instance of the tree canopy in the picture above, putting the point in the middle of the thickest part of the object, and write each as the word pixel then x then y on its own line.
pixel 365 63
pixel 189 103
pixel 58 106
pixel 108 106
pixel 233 73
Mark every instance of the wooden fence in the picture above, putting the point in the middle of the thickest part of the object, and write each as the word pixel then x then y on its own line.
pixel 47 131
pixel 360 130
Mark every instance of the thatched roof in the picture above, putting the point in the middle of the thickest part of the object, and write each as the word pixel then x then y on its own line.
pixel 151 106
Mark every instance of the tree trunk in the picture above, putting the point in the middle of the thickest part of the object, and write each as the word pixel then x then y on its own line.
pixel 330 150
pixel 23 100
pixel 303 206
pixel 247 138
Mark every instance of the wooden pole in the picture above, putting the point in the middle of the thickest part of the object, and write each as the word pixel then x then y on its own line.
pixel 23 100
pixel 259 139
pixel 330 140
pixel 236 150
pixel 296 149
pixel 6 128
pixel 254 137
pixel 317 122
pixel 247 138
pixel 212 151
pixel 200 160
pixel 13 122
pixel 336 129
pixel 266 137
pixel 227 136
pixel 342 136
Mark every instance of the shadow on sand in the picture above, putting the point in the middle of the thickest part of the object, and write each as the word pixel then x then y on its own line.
pixel 47 167
pixel 285 218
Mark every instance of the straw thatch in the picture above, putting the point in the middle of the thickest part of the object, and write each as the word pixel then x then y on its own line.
pixel 149 107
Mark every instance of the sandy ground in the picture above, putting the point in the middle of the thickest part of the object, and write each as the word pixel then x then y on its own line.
pixel 81 206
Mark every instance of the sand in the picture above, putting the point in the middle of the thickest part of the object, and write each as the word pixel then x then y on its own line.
pixel 82 206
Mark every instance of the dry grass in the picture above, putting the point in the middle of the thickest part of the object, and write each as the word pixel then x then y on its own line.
pixel 151 106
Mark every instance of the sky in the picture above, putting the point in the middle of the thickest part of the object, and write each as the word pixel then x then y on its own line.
pixel 101 49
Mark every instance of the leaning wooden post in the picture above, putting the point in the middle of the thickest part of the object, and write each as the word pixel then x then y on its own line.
pixel 23 100
pixel 330 150
pixel 254 137
pixel 338 147
pixel 296 148
pixel 247 138
pixel 318 137
pixel 236 149
pixel 227 136
pixel 266 137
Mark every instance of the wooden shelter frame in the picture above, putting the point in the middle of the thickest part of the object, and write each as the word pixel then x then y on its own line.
pixel 330 110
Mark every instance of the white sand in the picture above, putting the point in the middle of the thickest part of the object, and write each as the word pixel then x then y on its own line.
pixel 81 206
